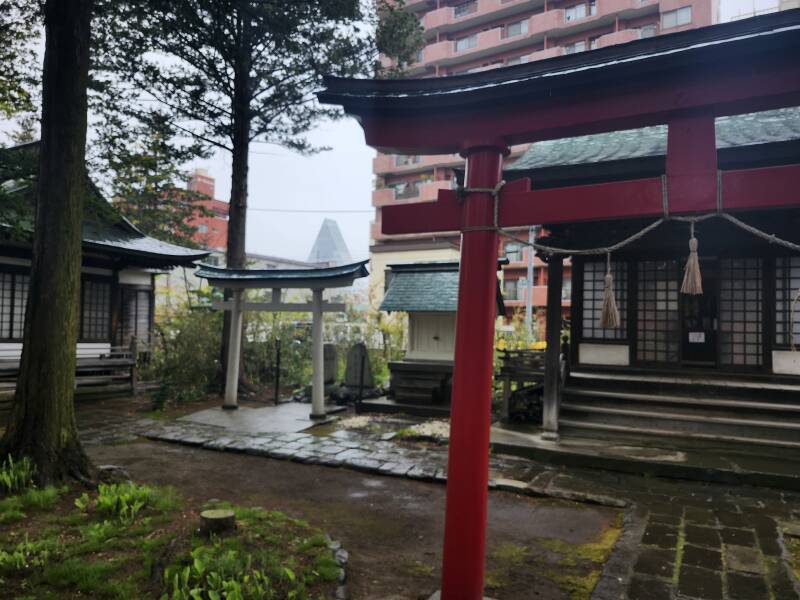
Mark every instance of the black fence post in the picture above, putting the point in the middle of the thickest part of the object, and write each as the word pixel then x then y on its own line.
pixel 361 376
pixel 277 369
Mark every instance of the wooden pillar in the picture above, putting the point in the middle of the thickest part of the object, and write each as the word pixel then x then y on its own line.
pixel 317 358
pixel 552 366
pixel 234 352
pixel 470 421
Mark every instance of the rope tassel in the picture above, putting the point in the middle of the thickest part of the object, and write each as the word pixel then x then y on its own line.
pixel 692 280
pixel 609 316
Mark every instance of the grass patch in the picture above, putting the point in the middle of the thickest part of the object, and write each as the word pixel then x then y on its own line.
pixel 133 541
pixel 14 508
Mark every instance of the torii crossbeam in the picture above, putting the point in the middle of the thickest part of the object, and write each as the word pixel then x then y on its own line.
pixel 684 80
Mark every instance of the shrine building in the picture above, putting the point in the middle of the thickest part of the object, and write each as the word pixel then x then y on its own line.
pixel 683 228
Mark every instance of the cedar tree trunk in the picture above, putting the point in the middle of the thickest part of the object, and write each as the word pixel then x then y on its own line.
pixel 42 422
pixel 237 209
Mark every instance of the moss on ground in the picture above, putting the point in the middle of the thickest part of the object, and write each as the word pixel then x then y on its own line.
pixel 793 546
pixel 579 566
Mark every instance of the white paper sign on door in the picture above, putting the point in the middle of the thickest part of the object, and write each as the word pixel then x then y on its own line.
pixel 697 337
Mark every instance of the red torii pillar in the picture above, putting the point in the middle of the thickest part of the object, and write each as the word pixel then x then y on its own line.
pixel 470 421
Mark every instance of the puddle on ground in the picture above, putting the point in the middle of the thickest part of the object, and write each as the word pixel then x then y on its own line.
pixel 645 453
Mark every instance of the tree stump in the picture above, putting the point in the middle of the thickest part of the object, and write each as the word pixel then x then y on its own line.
pixel 216 521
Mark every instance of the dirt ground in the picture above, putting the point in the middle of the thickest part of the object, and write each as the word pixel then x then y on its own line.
pixel 391 527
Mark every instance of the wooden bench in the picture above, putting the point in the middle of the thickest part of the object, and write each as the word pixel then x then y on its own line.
pixel 111 373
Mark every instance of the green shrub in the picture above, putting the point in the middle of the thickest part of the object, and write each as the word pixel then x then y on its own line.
pixel 122 501
pixel 186 359
pixel 16 476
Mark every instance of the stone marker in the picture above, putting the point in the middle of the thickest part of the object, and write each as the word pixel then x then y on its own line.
pixel 217 520
pixel 352 373
pixel 330 362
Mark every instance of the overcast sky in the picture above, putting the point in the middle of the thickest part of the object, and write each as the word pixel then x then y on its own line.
pixel 338 179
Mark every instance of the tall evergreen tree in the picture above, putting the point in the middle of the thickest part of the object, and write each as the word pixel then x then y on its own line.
pixel 234 72
pixel 140 164
pixel 42 423
pixel 19 20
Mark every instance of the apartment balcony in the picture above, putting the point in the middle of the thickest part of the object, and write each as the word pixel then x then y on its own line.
pixel 388 163
pixel 425 192
pixel 618 37
pixel 450 18
pixel 546 53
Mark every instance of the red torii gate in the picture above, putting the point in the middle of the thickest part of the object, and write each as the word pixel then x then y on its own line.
pixel 685 80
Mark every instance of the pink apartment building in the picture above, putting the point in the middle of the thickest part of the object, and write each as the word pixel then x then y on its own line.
pixel 464 37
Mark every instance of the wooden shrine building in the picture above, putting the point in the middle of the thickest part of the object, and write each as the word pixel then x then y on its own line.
pixel 743 207
pixel 118 273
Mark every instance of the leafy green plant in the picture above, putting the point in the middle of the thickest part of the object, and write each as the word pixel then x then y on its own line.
pixel 216 574
pixel 16 476
pixel 122 501
pixel 27 555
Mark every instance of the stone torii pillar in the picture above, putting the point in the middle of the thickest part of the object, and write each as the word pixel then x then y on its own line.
pixel 317 357
pixel 231 401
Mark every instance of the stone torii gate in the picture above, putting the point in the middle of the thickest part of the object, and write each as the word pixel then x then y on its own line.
pixel 684 80
pixel 317 280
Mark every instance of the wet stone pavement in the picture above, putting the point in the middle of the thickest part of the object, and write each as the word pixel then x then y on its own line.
pixel 681 539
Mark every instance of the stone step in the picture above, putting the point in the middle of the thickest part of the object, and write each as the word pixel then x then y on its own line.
pixel 569 425
pixel 787 405
pixel 714 385
pixel 683 421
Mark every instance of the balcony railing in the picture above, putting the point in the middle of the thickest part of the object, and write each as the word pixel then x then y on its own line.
pixel 426 191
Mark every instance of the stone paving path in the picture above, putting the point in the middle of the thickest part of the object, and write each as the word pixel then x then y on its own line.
pixel 681 540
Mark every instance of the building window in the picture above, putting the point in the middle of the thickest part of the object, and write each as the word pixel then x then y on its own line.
pixel 403 160
pixel 574 48
pixel 464 9
pixel 466 43
pixel 518 28
pixel 787 286
pixel 580 11
pixel 95 310
pixel 740 316
pixel 594 277
pixel 676 18
pixel 13 301
pixel 647 31
pixel 511 289
pixel 517 60
pixel 593 42
pixel 135 316
pixel 202 228
pixel 657 313
pixel 513 251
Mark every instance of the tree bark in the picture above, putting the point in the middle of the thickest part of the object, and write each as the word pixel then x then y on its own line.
pixel 237 210
pixel 42 424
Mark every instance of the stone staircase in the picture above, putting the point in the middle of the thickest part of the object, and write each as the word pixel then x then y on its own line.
pixel 731 408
